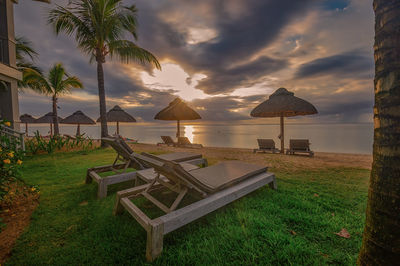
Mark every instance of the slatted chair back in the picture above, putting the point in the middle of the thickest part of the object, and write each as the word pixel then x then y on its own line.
pixel 266 144
pixel 299 144
pixel 118 147
pixel 175 172
pixel 168 140
pixel 184 141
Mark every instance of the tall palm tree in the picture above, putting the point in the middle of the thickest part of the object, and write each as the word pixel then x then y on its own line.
pixel 381 238
pixel 56 83
pixel 99 27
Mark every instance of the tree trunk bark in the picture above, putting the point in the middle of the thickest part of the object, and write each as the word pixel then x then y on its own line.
pixel 178 128
pixel 102 100
pixel 381 237
pixel 282 134
pixel 55 116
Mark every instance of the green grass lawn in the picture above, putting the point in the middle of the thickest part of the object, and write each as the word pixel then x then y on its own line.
pixel 71 226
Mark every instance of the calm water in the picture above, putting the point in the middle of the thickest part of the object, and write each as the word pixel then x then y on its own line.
pixel 341 138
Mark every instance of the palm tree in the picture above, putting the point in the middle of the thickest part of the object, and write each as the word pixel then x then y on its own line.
pixel 57 83
pixel 24 50
pixel 381 238
pixel 99 27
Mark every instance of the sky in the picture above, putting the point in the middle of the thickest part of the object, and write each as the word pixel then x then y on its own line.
pixel 223 57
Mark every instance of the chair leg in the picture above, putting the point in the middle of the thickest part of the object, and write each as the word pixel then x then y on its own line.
pixel 273 184
pixel 88 179
pixel 155 237
pixel 102 190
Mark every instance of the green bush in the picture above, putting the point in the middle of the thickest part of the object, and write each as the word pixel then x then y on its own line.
pixel 40 144
pixel 10 159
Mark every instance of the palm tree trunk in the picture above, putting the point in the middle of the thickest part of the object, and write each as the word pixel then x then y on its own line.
pixel 55 116
pixel 102 100
pixel 381 238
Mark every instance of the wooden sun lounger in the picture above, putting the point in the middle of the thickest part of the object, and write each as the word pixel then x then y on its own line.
pixel 127 159
pixel 266 145
pixel 216 186
pixel 185 142
pixel 167 140
pixel 299 146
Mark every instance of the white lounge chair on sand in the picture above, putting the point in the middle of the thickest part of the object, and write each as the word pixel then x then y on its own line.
pixel 299 146
pixel 215 186
pixel 266 145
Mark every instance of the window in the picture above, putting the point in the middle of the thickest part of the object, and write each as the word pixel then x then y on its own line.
pixel 4 56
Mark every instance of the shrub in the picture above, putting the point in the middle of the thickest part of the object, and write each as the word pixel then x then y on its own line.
pixel 39 144
pixel 10 159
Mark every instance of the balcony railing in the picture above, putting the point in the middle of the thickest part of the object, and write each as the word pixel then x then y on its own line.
pixel 4 55
pixel 8 136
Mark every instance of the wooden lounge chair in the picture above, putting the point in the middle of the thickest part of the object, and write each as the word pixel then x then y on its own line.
pixel 185 142
pixel 215 186
pixel 167 140
pixel 126 158
pixel 299 146
pixel 266 145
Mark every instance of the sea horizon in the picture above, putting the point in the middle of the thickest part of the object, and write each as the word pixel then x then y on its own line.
pixel 353 138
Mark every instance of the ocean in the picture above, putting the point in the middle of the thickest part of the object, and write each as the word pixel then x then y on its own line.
pixel 338 138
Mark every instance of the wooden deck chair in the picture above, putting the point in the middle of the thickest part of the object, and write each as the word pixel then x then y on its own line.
pixel 266 145
pixel 299 146
pixel 126 158
pixel 185 142
pixel 167 140
pixel 215 186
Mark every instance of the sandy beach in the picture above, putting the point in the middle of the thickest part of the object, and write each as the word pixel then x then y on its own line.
pixel 287 162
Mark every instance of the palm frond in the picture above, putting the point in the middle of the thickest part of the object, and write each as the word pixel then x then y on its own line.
pixel 128 51
pixel 23 48
pixel 35 81
pixel 99 27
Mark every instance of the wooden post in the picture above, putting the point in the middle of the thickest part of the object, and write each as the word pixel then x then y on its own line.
pixel 117 128
pixel 51 129
pixel 155 237
pixel 282 135
pixel 178 127
pixel 26 129
pixel 78 130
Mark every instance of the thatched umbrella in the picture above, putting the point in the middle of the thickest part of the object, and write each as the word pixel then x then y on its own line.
pixel 78 118
pixel 47 118
pixel 116 114
pixel 282 103
pixel 177 110
pixel 27 119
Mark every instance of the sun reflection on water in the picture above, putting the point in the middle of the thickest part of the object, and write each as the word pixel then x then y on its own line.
pixel 189 132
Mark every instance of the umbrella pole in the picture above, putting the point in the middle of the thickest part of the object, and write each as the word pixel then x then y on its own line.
pixel 78 130
pixel 26 129
pixel 282 136
pixel 178 127
pixel 117 128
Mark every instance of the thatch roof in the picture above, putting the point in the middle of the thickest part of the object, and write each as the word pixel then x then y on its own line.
pixel 116 114
pixel 283 103
pixel 47 118
pixel 78 118
pixel 177 110
pixel 25 118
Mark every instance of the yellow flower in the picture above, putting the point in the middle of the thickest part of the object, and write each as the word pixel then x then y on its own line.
pixel 7 161
pixel 7 124
pixel 19 162
pixel 11 154
pixel 33 189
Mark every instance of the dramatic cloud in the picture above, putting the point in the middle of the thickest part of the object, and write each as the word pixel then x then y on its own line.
pixel 343 65
pixel 224 57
